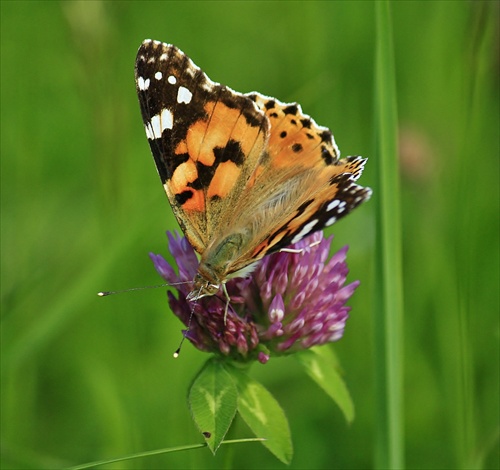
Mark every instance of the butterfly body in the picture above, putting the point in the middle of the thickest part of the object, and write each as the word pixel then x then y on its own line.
pixel 245 174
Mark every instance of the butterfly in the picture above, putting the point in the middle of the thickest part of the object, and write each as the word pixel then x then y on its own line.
pixel 246 175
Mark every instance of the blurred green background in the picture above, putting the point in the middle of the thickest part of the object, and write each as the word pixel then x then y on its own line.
pixel 86 378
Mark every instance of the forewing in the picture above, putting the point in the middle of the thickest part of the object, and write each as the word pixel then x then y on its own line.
pixel 206 139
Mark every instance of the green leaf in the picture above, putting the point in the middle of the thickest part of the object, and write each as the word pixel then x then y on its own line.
pixel 322 366
pixel 264 416
pixel 213 399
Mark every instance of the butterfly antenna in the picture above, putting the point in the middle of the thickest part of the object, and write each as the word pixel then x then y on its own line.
pixel 178 350
pixel 111 292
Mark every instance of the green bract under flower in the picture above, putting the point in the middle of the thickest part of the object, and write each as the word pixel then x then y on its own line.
pixel 291 301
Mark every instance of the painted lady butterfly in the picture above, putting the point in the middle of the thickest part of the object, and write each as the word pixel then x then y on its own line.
pixel 245 174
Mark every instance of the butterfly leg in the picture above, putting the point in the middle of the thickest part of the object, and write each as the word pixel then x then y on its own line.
pixel 228 299
pixel 301 250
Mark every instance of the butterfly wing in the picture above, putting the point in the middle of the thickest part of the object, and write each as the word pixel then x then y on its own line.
pixel 302 186
pixel 206 139
pixel 246 175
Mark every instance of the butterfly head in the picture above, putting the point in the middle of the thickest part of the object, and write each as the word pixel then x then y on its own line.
pixel 202 288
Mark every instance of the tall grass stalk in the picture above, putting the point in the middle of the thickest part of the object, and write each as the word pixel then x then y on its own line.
pixel 389 282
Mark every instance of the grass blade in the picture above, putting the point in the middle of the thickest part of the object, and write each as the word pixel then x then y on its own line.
pixel 389 283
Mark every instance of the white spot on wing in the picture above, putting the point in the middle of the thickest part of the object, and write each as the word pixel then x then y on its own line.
pixel 331 221
pixel 156 126
pixel 149 131
pixel 158 75
pixel 332 205
pixel 159 123
pixel 164 56
pixel 143 84
pixel 305 230
pixel 167 119
pixel 172 80
pixel 184 95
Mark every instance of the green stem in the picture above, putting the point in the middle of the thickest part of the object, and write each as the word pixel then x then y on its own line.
pixel 158 452
pixel 389 282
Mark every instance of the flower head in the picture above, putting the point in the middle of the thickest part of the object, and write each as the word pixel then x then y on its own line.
pixel 293 300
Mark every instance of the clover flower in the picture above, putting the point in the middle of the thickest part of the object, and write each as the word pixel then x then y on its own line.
pixel 293 300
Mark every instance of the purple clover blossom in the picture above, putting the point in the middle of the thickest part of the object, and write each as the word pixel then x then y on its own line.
pixel 291 301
